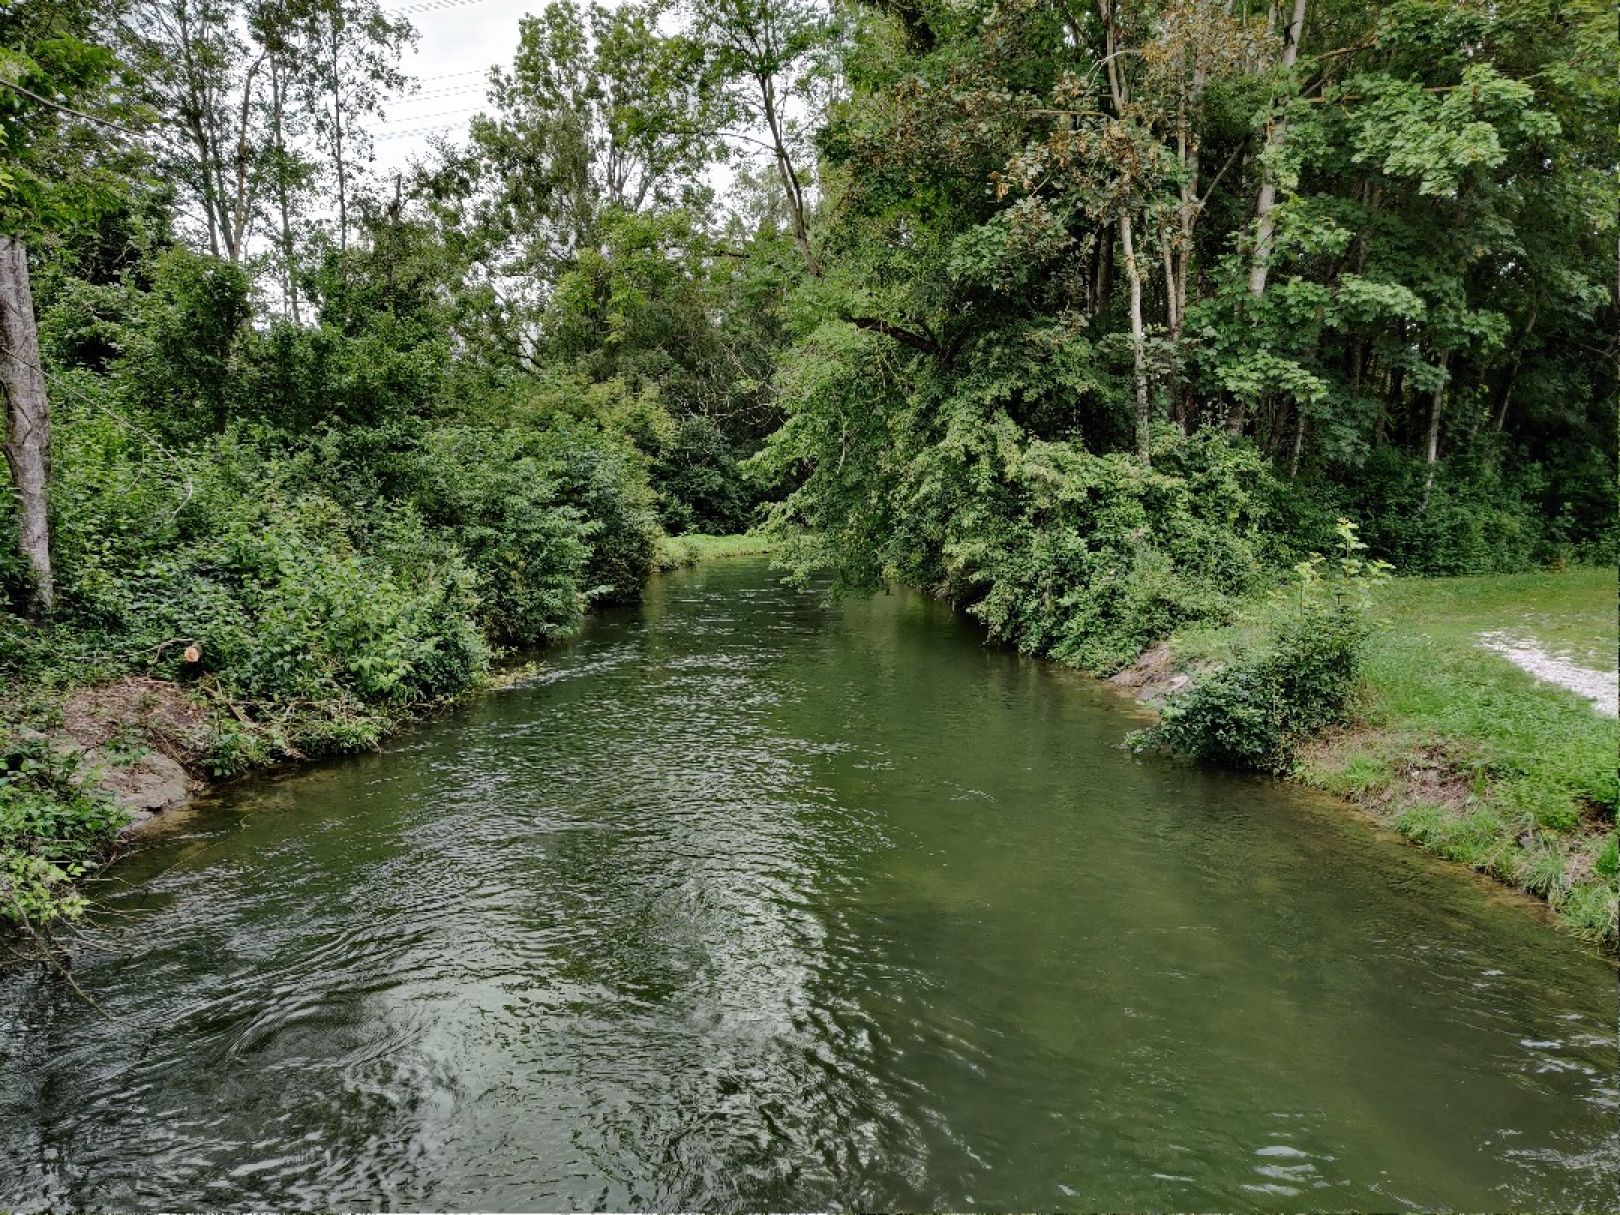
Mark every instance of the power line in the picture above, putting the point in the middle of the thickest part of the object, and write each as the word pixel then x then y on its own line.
pixel 440 129
pixel 431 6
pixel 440 93
pixel 394 122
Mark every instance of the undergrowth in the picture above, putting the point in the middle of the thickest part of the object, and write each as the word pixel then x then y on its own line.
pixel 55 827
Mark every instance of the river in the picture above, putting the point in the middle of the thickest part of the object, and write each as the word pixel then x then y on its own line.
pixel 750 900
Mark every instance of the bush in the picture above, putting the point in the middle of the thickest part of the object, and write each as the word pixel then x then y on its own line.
pixel 1475 519
pixel 320 620
pixel 54 828
pixel 604 478
pixel 1093 558
pixel 700 482
pixel 502 507
pixel 1253 712
pixel 297 626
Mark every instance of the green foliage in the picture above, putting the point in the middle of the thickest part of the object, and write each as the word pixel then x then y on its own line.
pixel 606 481
pixel 1096 557
pixel 55 174
pixel 502 506
pixel 54 828
pixel 1435 245
pixel 698 478
pixel 1254 711
pixel 325 627
pixel 183 327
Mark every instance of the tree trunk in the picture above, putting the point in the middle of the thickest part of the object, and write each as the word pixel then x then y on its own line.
pixel 1119 94
pixel 1180 276
pixel 337 141
pixel 1265 223
pixel 28 420
pixel 1133 273
pixel 289 257
pixel 1507 397
pixel 1103 281
pixel 242 205
pixel 1172 316
pixel 789 175
pixel 1431 452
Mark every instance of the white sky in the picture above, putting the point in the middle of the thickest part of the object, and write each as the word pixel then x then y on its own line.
pixel 458 41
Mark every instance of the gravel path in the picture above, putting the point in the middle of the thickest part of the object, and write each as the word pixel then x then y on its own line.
pixel 1602 688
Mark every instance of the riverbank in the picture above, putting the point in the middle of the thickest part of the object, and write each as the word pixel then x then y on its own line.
pixel 726 843
pixel 1457 747
pixel 87 760
pixel 1454 746
pixel 83 768
pixel 678 552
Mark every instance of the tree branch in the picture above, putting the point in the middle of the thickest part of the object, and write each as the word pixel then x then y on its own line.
pixel 63 109
pixel 905 337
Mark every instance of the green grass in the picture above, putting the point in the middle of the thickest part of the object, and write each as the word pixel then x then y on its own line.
pixel 1571 613
pixel 677 551
pixel 1462 751
pixel 1545 746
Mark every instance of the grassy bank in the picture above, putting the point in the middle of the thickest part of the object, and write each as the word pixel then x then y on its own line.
pixel 1462 751
pixel 677 552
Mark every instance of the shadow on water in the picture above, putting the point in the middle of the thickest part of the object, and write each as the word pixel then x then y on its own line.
pixel 751 901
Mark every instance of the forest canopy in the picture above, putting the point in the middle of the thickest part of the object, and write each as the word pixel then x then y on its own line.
pixel 1086 315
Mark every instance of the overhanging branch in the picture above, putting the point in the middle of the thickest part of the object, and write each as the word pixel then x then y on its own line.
pixel 917 341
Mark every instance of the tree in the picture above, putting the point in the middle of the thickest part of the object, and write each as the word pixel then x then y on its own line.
pixel 60 168
pixel 203 77
pixel 238 83
pixel 766 65
pixel 350 56
pixel 28 419
pixel 598 113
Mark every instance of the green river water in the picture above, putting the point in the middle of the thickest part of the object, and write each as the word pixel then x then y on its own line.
pixel 752 901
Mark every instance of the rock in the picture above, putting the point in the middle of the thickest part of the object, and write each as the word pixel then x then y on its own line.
pixel 142 786
pixel 1153 676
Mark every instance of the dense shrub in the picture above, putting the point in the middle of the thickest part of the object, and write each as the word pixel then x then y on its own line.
pixel 605 479
pixel 53 828
pixel 1251 714
pixel 1487 511
pixel 700 486
pixel 1302 677
pixel 1092 558
pixel 336 583
pixel 1060 549
pixel 303 617
pixel 502 506
pixel 180 330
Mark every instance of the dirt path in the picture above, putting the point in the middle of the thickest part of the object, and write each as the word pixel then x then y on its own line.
pixel 1602 688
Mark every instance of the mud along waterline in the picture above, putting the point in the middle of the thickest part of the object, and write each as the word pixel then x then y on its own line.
pixel 752 901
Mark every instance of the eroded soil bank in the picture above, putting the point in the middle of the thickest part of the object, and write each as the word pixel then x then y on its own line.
pixel 144 742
